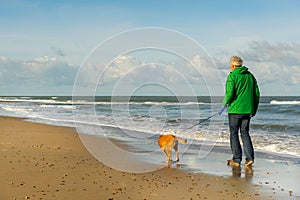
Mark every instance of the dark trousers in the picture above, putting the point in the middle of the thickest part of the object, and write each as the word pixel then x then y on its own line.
pixel 240 122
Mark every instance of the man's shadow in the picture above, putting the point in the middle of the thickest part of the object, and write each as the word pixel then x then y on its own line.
pixel 237 172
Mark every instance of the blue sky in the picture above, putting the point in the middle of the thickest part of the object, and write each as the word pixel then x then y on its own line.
pixel 43 43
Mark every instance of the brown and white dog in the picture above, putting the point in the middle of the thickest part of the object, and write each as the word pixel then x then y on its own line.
pixel 169 142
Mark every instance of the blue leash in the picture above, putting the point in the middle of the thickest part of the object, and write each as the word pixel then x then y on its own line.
pixel 203 120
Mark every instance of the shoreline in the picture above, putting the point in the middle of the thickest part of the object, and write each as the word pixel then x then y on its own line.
pixel 40 161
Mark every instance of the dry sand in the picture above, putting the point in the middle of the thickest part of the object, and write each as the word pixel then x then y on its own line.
pixel 40 161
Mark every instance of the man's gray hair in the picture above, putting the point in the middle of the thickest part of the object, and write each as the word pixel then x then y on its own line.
pixel 236 61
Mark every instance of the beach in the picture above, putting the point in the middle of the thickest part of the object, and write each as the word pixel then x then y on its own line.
pixel 41 161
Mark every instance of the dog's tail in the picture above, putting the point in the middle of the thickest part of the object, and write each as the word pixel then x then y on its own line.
pixel 183 141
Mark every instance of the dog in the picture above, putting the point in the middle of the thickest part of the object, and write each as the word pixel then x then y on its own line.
pixel 169 142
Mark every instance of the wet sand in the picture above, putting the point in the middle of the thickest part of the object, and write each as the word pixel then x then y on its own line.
pixel 39 161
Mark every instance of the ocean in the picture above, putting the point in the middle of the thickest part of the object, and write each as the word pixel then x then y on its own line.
pixel 275 130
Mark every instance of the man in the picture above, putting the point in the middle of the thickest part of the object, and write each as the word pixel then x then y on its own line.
pixel 242 98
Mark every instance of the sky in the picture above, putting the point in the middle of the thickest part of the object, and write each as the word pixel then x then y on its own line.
pixel 47 46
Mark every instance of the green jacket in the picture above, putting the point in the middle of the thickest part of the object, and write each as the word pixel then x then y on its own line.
pixel 242 92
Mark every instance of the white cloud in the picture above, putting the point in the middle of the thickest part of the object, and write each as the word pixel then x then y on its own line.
pixel 129 73
pixel 58 51
pixel 281 53
pixel 275 65
pixel 274 62
pixel 207 69
pixel 138 71
pixel 43 72
pixel 293 72
pixel 119 68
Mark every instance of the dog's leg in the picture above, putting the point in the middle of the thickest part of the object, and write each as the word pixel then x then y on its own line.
pixel 167 153
pixel 176 151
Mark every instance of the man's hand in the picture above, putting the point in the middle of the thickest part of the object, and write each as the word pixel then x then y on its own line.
pixel 222 109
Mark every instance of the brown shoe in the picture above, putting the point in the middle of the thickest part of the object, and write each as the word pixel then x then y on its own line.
pixel 249 163
pixel 248 171
pixel 231 163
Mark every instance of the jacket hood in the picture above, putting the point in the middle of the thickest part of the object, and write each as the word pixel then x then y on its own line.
pixel 241 70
